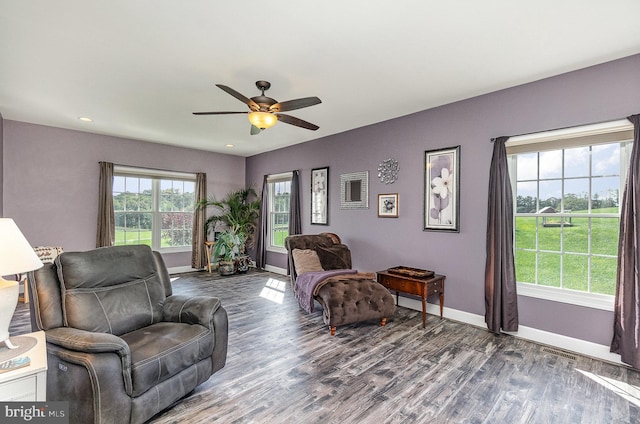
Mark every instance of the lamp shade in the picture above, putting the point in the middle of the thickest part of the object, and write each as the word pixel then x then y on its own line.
pixel 263 120
pixel 16 254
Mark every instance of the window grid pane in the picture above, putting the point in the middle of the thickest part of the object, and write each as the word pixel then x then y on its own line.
pixel 279 202
pixel 135 211
pixel 566 218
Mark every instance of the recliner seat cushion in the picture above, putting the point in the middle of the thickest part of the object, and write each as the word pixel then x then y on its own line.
pixel 164 349
pixel 100 297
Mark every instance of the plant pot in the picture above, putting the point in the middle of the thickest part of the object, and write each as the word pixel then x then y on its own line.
pixel 242 264
pixel 226 267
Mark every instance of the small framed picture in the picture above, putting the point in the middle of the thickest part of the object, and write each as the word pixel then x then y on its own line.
pixel 388 205
pixel 319 196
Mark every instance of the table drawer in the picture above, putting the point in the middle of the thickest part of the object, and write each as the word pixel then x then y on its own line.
pixel 435 287
pixel 412 286
pixel 406 286
pixel 22 389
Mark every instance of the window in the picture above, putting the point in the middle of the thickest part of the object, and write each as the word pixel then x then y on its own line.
pixel 567 190
pixel 153 208
pixel 279 196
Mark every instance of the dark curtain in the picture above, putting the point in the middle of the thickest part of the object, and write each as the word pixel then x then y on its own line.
pixel 261 230
pixel 295 219
pixel 198 252
pixel 501 300
pixel 106 232
pixel 626 319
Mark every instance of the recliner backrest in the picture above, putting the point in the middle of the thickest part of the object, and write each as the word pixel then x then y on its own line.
pixel 111 290
pixel 45 305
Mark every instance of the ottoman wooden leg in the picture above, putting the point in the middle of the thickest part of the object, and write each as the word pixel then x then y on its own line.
pixel 333 330
pixel 383 321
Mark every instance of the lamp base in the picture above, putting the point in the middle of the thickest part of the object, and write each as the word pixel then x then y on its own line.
pixel 9 292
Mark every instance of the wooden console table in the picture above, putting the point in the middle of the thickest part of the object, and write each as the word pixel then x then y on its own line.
pixel 420 287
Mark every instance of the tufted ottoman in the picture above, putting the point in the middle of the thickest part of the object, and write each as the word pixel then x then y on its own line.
pixel 349 301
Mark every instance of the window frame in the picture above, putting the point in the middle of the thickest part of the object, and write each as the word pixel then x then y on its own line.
pixel 157 176
pixel 271 179
pixel 588 135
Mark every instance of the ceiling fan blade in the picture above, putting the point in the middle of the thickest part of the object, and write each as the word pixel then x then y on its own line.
pixel 217 113
pixel 292 120
pixel 295 104
pixel 252 105
pixel 255 130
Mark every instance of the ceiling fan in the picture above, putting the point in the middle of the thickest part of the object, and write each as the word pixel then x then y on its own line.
pixel 265 111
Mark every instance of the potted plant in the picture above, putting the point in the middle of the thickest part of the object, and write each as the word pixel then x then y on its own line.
pixel 237 214
pixel 228 248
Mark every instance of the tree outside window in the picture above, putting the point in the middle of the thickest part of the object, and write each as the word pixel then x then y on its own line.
pixel 153 211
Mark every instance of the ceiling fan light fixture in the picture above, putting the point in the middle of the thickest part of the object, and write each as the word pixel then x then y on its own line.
pixel 262 120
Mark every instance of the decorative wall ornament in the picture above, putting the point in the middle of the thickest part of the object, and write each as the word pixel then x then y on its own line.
pixel 442 189
pixel 388 171
pixel 354 190
pixel 319 196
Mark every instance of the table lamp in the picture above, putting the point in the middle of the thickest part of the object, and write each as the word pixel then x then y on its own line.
pixel 16 256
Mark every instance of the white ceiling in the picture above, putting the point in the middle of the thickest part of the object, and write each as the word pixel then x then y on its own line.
pixel 139 68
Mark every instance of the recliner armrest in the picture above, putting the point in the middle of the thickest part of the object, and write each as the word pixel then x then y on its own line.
pixel 86 341
pixel 191 309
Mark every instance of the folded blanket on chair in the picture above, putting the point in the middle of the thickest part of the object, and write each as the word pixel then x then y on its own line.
pixel 309 282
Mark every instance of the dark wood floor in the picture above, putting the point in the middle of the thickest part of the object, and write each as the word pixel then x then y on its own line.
pixel 284 367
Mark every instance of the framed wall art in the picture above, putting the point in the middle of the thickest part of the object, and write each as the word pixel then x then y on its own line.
pixel 320 196
pixel 388 205
pixel 442 189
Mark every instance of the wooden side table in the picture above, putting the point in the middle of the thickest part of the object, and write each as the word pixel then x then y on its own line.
pixel 208 247
pixel 28 383
pixel 416 286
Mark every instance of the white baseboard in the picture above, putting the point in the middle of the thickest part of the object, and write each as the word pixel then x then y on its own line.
pixel 275 269
pixel 559 341
pixel 180 269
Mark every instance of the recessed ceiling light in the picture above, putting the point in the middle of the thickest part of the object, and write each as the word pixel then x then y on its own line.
pixel 85 119
pixel 229 145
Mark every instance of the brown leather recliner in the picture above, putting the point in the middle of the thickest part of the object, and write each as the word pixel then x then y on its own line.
pixel 120 346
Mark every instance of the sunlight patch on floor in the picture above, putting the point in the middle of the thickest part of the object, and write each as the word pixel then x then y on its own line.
pixel 627 391
pixel 173 279
pixel 274 290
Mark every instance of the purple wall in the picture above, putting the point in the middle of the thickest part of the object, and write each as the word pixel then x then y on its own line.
pixel 1 162
pixel 51 179
pixel 600 93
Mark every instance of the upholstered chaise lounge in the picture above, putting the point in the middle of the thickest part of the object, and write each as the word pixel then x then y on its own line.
pixel 120 346
pixel 320 266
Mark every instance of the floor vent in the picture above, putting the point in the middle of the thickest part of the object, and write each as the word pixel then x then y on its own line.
pixel 559 353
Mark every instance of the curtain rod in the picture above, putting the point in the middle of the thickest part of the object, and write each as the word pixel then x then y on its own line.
pixel 558 129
